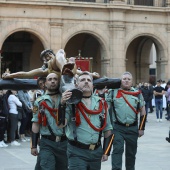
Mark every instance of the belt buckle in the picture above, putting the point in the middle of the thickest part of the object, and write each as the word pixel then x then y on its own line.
pixel 92 147
pixel 58 138
pixel 127 125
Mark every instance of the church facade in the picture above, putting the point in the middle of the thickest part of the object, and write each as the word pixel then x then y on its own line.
pixel 117 35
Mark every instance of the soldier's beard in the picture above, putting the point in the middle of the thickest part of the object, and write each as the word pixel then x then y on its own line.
pixel 55 90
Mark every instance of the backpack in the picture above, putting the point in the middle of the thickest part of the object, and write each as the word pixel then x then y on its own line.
pixel 5 105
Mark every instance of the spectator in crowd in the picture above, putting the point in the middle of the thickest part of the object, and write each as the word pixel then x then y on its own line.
pixel 31 94
pixel 158 92
pixel 137 87
pixel 13 102
pixel 150 102
pixel 163 84
pixel 168 100
pixel 2 122
pixel 147 95
pixel 41 85
pixel 166 88
pixel 27 106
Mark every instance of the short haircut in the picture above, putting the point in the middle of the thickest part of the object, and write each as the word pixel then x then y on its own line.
pixel 41 79
pixel 85 73
pixel 127 73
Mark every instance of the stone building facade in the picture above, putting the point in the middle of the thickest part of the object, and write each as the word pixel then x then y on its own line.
pixel 117 34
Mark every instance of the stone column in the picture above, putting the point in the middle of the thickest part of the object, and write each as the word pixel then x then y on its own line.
pixel 137 77
pixel 168 3
pixel 56 34
pixel 168 51
pixel 132 2
pixel 162 70
pixel 105 69
pixel 117 46
pixel 158 70
pixel 156 2
pixel 144 72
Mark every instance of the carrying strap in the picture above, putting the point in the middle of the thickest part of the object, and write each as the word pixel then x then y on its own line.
pixel 114 111
pixel 73 119
pixel 51 131
pixel 48 125
pixel 137 109
pixel 113 107
pixel 101 117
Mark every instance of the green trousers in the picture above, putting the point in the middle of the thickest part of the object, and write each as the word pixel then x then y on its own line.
pixel 129 137
pixel 52 155
pixel 83 159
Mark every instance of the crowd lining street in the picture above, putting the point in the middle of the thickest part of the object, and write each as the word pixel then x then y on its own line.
pixel 153 150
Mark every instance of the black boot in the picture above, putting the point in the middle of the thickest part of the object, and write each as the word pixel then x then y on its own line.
pixel 168 139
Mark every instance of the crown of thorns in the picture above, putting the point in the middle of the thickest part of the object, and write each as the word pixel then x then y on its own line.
pixel 46 52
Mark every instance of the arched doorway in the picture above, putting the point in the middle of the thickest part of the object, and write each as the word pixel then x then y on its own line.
pixel 139 58
pixel 88 46
pixel 20 52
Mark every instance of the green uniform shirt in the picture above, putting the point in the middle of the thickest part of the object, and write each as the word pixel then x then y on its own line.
pixel 123 111
pixel 97 94
pixel 86 134
pixel 44 129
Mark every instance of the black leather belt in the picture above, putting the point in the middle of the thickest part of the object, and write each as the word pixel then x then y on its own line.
pixel 84 146
pixel 126 124
pixel 55 138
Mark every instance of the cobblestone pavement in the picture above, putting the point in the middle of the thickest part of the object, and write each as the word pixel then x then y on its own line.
pixel 153 151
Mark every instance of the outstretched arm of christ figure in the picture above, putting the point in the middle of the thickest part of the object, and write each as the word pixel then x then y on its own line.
pixel 54 63
pixel 29 74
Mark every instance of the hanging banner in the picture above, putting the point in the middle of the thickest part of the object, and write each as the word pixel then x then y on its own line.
pixel 83 64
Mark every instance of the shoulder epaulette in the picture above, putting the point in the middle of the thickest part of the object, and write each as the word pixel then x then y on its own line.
pixel 40 99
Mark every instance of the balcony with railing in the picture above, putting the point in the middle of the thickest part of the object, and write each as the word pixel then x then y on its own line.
pixel 156 3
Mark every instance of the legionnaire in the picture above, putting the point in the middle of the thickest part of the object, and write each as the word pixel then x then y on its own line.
pixel 53 144
pixel 85 123
pixel 125 103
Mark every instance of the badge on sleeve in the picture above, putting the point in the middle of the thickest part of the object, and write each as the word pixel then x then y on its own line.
pixel 35 109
